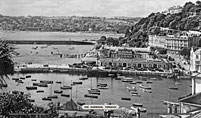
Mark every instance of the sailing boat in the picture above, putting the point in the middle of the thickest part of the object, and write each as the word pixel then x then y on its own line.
pixel 49 98
pixel 65 87
pixel 92 91
pixel 58 91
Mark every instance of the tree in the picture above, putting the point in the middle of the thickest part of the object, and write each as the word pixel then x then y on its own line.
pixel 185 52
pixel 6 63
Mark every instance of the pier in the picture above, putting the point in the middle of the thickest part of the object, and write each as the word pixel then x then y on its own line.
pixel 48 42
pixel 37 68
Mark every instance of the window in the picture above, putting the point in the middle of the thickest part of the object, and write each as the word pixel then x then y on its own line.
pixel 197 57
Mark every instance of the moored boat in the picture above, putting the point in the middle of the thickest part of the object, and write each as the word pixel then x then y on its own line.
pixel 58 82
pixel 15 79
pixel 83 78
pixel 58 91
pixel 31 88
pixel 135 94
pixel 53 97
pixel 46 98
pixel 31 100
pixel 46 82
pixel 66 87
pixel 144 87
pixel 137 104
pixel 90 96
pixel 33 79
pixel 40 91
pixel 77 82
pixel 173 88
pixel 131 89
pixel 125 98
pixel 81 103
pixel 127 80
pixel 149 82
pixel 94 92
pixel 22 77
pixel 28 76
pixel 94 89
pixel 103 87
pixel 147 91
pixel 65 95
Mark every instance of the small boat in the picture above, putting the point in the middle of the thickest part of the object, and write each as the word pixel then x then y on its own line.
pixel 40 91
pixel 46 82
pixel 33 79
pixel 149 82
pixel 28 76
pixel 144 87
pixel 139 82
pixel 36 84
pixel 42 85
pixel 31 100
pixel 90 96
pixel 135 94
pixel 46 98
pixel 22 77
pixel 132 82
pixel 53 97
pixel 94 92
pixel 66 87
pixel 131 88
pixel 127 80
pixel 94 89
pixel 15 79
pixel 137 104
pixel 147 91
pixel 81 103
pixel 102 87
pixel 125 98
pixel 31 88
pixel 65 95
pixel 58 82
pixel 152 78
pixel 58 91
pixel 174 88
pixel 77 83
pixel 83 78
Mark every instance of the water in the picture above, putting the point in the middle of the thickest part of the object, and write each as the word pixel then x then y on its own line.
pixel 117 89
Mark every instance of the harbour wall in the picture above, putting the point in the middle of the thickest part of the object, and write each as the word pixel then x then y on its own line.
pixel 47 42
pixel 91 72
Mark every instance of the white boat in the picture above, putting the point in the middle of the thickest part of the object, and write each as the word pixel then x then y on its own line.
pixel 144 87
pixel 137 104
pixel 131 88
pixel 147 91
pixel 103 87
pixel 135 94
pixel 127 80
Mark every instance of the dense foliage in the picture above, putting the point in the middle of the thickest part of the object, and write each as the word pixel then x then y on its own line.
pixel 6 63
pixel 187 19
pixel 66 24
pixel 16 102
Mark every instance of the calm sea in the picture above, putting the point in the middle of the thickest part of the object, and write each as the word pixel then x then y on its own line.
pixel 117 89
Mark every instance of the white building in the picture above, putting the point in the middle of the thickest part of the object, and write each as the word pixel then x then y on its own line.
pixel 175 9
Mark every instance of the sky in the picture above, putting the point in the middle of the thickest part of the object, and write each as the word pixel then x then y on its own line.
pixel 101 8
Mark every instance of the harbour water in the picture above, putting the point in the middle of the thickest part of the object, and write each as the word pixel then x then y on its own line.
pixel 117 88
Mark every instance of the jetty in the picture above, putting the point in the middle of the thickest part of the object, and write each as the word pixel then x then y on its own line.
pixel 37 68
pixel 49 42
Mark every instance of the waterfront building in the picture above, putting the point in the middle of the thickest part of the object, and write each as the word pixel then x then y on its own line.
pixel 130 57
pixel 175 41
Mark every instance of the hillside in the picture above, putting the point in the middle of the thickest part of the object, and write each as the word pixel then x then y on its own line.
pixel 187 19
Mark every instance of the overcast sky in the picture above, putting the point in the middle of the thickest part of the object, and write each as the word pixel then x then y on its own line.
pixel 105 8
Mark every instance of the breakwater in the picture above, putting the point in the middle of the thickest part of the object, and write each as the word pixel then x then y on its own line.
pixel 48 42
pixel 89 72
